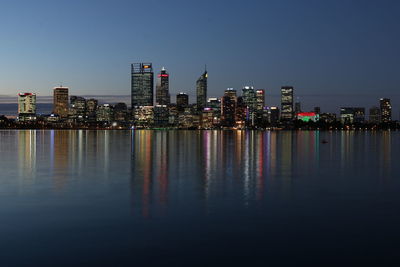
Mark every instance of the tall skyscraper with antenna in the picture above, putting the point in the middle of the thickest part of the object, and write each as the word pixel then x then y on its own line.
pixel 162 88
pixel 201 90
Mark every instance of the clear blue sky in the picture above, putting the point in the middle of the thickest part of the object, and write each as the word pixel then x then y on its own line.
pixel 338 52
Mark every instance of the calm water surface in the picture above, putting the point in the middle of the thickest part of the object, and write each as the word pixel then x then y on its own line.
pixel 199 198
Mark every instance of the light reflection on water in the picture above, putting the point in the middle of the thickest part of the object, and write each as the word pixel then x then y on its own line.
pixel 124 178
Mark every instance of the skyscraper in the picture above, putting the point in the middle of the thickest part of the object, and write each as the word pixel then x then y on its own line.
pixel 77 108
pixel 249 97
pixel 374 115
pixel 386 110
pixel 250 102
pixel 201 91
pixel 228 108
pixel 260 95
pixel 228 111
pixel 287 103
pixel 60 101
pixel 182 101
pixel 91 108
pixel 142 84
pixel 162 88
pixel 26 106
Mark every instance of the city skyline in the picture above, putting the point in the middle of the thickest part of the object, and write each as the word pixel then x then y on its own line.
pixel 269 99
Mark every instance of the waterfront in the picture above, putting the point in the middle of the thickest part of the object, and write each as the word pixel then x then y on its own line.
pixel 210 198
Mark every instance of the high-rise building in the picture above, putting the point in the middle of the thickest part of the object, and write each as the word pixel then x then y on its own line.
pixel 374 115
pixel 161 115
pixel 228 111
pixel 60 101
pixel 386 110
pixel 231 93
pixel 201 91
pixel 350 115
pixel 142 84
pixel 214 103
pixel 273 115
pixel 260 95
pixel 162 88
pixel 77 108
pixel 120 112
pixel 26 106
pixel 104 113
pixel 182 101
pixel 250 101
pixel 249 98
pixel 91 108
pixel 287 103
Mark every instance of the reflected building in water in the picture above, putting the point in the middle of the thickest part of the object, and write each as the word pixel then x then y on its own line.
pixel 27 154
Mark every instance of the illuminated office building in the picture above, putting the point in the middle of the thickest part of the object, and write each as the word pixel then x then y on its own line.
pixel 374 115
pixel 273 115
pixel 162 88
pixel 249 98
pixel 287 113
pixel 182 101
pixel 241 112
pixel 77 108
pixel 349 115
pixel 228 108
pixel 144 116
pixel 201 91
pixel 142 84
pixel 120 112
pixel 26 106
pixel 228 111
pixel 91 108
pixel 328 117
pixel 260 95
pixel 161 115
pixel 104 113
pixel 386 110
pixel 60 101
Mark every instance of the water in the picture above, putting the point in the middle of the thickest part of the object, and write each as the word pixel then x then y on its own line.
pixel 199 198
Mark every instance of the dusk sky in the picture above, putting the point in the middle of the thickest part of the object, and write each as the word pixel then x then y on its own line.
pixel 335 53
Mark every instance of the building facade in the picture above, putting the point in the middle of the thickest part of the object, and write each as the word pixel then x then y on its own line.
pixel 386 110
pixel 260 95
pixel 201 91
pixel 349 115
pixel 374 115
pixel 60 101
pixel 26 106
pixel 142 84
pixel 162 88
pixel 182 101
pixel 287 113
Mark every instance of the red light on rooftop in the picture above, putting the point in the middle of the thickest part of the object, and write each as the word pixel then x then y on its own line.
pixel 306 114
pixel 163 75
